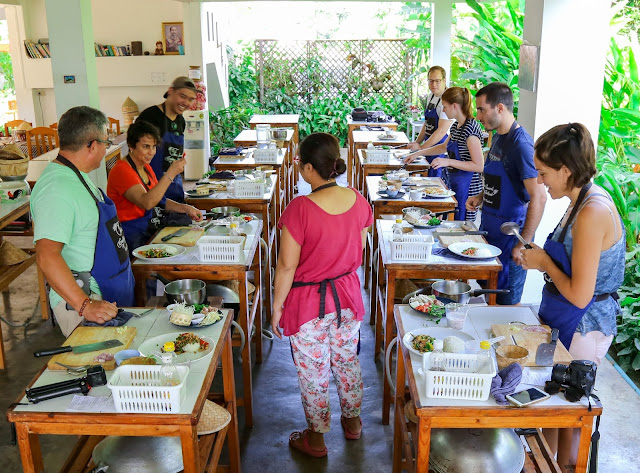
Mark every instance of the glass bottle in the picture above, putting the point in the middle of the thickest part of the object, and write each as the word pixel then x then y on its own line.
pixel 437 359
pixel 168 372
pixel 397 230
pixel 484 357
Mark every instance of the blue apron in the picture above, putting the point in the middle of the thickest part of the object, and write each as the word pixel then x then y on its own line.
pixel 138 231
pixel 111 266
pixel 459 181
pixel 555 310
pixel 171 150
pixel 431 121
pixel 501 204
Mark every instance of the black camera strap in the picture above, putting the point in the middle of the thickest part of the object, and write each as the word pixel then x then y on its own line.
pixel 595 439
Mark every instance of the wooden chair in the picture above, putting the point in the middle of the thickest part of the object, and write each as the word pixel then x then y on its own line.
pixel 9 126
pixel 54 126
pixel 43 139
pixel 113 121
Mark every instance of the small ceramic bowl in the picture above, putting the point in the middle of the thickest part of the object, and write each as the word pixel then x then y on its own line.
pixel 509 354
pixel 125 355
pixel 392 192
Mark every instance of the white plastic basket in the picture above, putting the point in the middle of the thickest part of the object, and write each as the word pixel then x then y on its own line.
pixel 136 388
pixel 220 249
pixel 378 156
pixel 412 247
pixel 459 380
pixel 265 155
pixel 248 188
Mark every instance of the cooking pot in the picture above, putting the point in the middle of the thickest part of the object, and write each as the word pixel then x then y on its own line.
pixel 221 212
pixel 475 451
pixel 140 454
pixel 189 291
pixel 453 291
pixel 230 298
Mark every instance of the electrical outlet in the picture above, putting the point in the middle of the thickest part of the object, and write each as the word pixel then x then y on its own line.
pixel 158 77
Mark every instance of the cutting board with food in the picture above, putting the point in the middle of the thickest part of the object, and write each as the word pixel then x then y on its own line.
pixel 530 337
pixel 447 239
pixel 188 239
pixel 85 335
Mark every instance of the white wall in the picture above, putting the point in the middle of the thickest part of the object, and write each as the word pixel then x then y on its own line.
pixel 114 22
pixel 214 27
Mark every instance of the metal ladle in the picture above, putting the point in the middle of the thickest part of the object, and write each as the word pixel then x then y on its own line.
pixel 512 228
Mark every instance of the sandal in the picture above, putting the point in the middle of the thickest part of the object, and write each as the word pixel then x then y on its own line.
pixel 305 447
pixel 349 434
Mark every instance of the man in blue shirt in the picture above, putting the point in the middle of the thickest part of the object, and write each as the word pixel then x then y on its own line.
pixel 511 190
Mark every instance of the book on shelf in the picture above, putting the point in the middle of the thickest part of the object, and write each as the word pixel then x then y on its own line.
pixel 37 50
pixel 104 50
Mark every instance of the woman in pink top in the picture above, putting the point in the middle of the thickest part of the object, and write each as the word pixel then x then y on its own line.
pixel 317 299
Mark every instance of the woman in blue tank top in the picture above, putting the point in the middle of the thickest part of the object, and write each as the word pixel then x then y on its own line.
pixel 583 258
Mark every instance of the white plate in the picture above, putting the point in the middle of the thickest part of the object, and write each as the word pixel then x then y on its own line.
pixel 175 250
pixel 386 138
pixel 416 304
pixel 439 333
pixel 458 248
pixel 448 193
pixel 154 345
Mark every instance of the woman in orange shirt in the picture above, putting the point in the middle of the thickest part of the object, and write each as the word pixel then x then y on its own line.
pixel 138 195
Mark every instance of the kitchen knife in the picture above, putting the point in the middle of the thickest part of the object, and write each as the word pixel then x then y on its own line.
pixel 79 348
pixel 182 231
pixel 545 352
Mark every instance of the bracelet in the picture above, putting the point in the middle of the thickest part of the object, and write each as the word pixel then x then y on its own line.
pixel 168 177
pixel 84 306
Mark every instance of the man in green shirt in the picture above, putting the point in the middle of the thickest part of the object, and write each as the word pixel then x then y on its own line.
pixel 66 209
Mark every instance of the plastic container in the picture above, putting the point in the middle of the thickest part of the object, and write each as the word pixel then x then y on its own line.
pixel 137 388
pixel 266 155
pixel 220 249
pixel 456 315
pixel 168 371
pixel 484 357
pixel 249 189
pixel 378 156
pixel 397 230
pixel 412 248
pixel 437 360
pixel 462 378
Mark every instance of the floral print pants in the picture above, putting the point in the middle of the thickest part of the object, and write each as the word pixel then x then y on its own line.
pixel 321 346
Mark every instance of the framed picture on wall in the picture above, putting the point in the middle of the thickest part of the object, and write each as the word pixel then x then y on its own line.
pixel 173 37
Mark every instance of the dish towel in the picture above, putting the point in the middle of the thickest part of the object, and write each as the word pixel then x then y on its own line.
pixel 505 382
pixel 120 319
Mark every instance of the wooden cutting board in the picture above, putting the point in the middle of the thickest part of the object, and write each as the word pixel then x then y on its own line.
pixel 188 239
pixel 446 240
pixel 84 335
pixel 531 341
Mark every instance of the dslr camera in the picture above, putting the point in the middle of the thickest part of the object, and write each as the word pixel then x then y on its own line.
pixel 578 378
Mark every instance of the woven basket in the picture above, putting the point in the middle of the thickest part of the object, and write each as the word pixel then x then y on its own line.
pixel 213 419
pixel 129 111
pixel 13 162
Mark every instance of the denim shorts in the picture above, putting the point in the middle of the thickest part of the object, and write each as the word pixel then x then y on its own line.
pixel 517 277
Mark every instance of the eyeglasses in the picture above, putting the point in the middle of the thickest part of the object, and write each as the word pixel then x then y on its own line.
pixel 435 81
pixel 107 143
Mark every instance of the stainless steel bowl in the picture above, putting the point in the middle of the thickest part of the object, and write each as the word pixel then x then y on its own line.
pixel 417 210
pixel 221 212
pixel 278 134
pixel 140 454
pixel 476 451
pixel 189 291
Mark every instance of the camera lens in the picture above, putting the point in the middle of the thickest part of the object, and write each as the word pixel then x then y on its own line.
pixel 560 374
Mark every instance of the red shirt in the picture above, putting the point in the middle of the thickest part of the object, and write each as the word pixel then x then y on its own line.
pixel 122 178
pixel 331 245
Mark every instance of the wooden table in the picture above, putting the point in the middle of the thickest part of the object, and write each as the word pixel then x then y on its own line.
pixel 9 212
pixel 286 120
pixel 361 140
pixel 249 139
pixel 386 206
pixel 353 125
pixel 246 162
pixel 199 454
pixel 437 267
pixel 364 168
pixel 555 412
pixel 187 266
pixel 265 207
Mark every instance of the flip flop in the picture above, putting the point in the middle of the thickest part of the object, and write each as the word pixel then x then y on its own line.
pixel 305 448
pixel 349 434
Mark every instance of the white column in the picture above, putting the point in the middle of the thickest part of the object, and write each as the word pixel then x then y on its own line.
pixel 73 54
pixel 441 17
pixel 573 36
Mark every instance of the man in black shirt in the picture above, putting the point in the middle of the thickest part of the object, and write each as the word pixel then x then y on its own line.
pixel 168 118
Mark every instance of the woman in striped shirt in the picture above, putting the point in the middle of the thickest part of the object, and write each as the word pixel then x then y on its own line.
pixel 464 147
